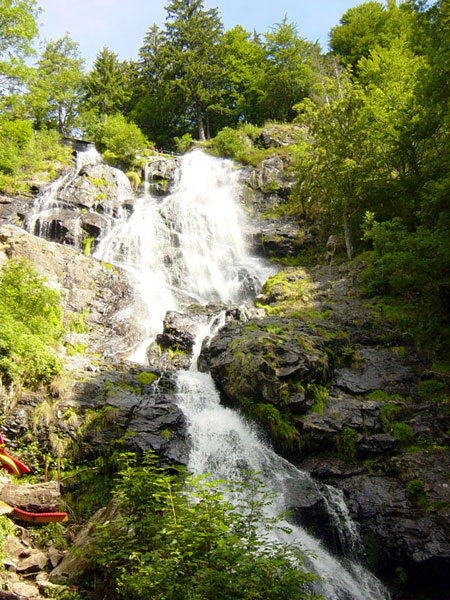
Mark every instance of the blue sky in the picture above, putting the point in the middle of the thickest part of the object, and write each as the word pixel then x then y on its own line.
pixel 121 25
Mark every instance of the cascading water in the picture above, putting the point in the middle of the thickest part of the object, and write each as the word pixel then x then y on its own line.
pixel 188 248
pixel 53 215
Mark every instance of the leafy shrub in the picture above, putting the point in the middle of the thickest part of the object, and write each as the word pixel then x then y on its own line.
pixel 119 140
pixel 230 143
pixel 412 267
pixel 23 152
pixel 30 324
pixel 183 143
pixel 178 540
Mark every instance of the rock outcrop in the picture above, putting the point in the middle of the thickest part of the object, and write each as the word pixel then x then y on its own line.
pixel 347 388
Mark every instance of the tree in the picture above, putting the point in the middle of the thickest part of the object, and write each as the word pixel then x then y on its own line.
pixel 366 26
pixel 288 76
pixel 107 85
pixel 245 65
pixel 343 156
pixel 390 77
pixel 194 68
pixel 18 28
pixel 57 90
pixel 158 108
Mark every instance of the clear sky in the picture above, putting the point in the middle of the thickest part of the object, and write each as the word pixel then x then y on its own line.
pixel 121 24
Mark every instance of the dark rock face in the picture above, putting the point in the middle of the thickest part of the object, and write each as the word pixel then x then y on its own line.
pixel 265 360
pixel 161 175
pixel 359 435
pixel 173 348
pixel 150 418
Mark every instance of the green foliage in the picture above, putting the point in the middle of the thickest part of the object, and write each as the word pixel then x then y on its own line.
pixel 119 140
pixel 183 143
pixel 107 86
pixel 320 395
pixel 278 423
pixel 6 528
pixel 86 244
pixel 181 539
pixel 22 156
pixel 50 534
pixel 230 143
pixel 346 445
pixel 415 489
pixel 413 266
pixel 30 324
pixel 18 27
pixel 146 378
pixel 134 180
pixel 432 390
pixel 77 322
pixel 56 92
pixel 365 27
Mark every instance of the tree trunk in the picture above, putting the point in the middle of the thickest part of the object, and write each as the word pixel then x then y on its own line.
pixel 201 129
pixel 208 132
pixel 41 497
pixel 348 237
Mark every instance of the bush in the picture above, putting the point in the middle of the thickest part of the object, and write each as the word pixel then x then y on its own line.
pixel 30 324
pixel 119 140
pixel 23 152
pixel 183 143
pixel 181 540
pixel 230 143
pixel 412 267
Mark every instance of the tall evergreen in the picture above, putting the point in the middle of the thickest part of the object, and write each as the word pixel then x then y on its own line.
pixel 195 66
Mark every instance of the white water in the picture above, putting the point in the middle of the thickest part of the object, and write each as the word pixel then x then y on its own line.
pixel 50 205
pixel 225 446
pixel 190 248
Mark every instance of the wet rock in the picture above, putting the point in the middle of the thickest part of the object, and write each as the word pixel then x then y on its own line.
pixel 265 360
pixel 151 418
pixel 378 369
pixel 161 168
pixel 173 348
pixel 97 186
pixel 395 531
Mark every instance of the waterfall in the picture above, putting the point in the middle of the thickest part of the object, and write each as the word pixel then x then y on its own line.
pixel 187 248
pixel 190 247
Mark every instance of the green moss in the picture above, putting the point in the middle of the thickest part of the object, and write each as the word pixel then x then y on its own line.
pixel 280 426
pixel 98 182
pixel 146 378
pixel 432 390
pixel 86 244
pixel 73 349
pixel 77 322
pixel 415 490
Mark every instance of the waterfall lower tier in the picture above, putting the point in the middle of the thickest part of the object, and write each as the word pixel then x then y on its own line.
pixel 225 446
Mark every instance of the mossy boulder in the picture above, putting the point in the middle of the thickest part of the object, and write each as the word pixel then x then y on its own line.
pixel 266 360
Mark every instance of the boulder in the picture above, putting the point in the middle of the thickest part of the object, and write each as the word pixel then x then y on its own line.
pixel 74 563
pixel 265 360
